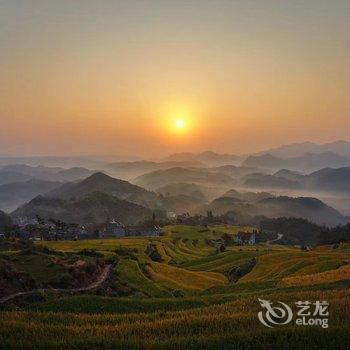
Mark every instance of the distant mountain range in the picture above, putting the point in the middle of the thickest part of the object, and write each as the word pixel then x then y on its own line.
pixel 208 158
pixel 130 170
pixel 299 149
pixel 23 172
pixel 191 182
pixel 325 180
pixel 305 163
pixel 7 177
pixel 270 206
pixel 202 177
pixel 15 194
pixel 99 196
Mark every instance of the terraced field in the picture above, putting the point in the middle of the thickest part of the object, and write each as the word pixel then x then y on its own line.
pixel 185 299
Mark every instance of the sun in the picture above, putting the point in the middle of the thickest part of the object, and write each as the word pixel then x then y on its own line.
pixel 180 123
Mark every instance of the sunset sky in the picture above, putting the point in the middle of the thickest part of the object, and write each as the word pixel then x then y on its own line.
pixel 154 77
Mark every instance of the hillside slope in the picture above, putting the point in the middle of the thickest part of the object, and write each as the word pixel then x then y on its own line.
pixel 93 208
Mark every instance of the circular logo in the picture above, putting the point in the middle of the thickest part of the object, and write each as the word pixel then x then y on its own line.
pixel 274 315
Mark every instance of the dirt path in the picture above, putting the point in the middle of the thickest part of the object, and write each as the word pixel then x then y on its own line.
pixel 279 236
pixel 100 280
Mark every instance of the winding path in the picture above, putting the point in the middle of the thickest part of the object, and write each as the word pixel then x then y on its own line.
pixel 279 236
pixel 96 284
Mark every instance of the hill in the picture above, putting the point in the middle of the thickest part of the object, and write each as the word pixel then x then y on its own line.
pixel 270 182
pixel 47 173
pixel 305 163
pixel 269 206
pixel 15 194
pixel 5 220
pixel 12 176
pixel 130 170
pixel 209 158
pixel 182 203
pixel 333 180
pixel 299 149
pixel 326 180
pixel 202 177
pixel 248 196
pixel 104 183
pixel 311 209
pixel 191 189
pixel 93 208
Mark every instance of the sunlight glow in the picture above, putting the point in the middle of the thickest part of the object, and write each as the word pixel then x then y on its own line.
pixel 180 123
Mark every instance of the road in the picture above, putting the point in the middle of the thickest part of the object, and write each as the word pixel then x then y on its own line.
pixel 279 236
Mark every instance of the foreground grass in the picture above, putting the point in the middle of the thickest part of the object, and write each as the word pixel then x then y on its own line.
pixel 214 314
pixel 232 325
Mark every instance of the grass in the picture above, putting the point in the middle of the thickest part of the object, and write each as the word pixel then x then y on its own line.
pixel 340 274
pixel 39 266
pixel 180 279
pixel 129 271
pixel 212 314
pixel 232 325
pixel 92 304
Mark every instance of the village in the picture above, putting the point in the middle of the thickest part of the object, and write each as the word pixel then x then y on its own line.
pixel 38 229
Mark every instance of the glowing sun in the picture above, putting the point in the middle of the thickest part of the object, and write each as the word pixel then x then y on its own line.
pixel 180 123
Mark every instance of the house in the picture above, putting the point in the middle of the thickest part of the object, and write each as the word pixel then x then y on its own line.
pixel 171 215
pixel 245 238
pixel 143 231
pixel 115 228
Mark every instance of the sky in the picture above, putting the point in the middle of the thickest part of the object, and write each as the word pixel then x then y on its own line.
pixel 116 77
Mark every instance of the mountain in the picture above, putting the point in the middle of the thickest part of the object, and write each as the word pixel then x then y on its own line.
pixel 130 170
pixel 299 149
pixel 270 182
pixel 12 176
pixel 177 189
pixel 181 203
pixel 72 174
pixel 46 173
pixel 94 208
pixel 290 175
pixel 305 163
pixel 247 196
pixel 332 180
pixel 202 177
pixel 5 220
pixel 208 157
pixel 263 161
pixel 311 209
pixel 103 183
pixel 235 171
pixel 15 194
pixel 325 180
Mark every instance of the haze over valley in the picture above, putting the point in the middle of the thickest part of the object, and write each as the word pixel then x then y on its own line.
pixel 288 181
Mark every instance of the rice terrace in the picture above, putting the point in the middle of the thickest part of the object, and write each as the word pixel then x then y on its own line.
pixel 191 294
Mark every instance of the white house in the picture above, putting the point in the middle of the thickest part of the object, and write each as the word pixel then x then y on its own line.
pixel 245 238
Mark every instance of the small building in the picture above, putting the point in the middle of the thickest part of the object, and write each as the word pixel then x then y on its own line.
pixel 115 228
pixel 171 215
pixel 245 238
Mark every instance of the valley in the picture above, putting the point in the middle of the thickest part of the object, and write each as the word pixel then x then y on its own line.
pixel 166 303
